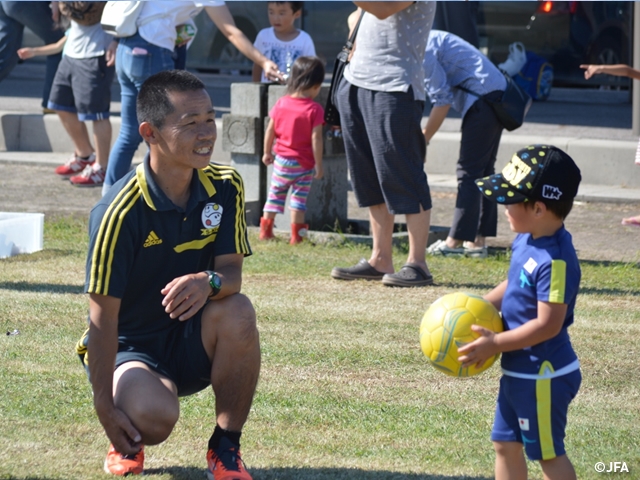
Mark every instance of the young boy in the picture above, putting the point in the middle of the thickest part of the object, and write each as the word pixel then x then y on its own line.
pixel 282 42
pixel 541 372
pixel 81 90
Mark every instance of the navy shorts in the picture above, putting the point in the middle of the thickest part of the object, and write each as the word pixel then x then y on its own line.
pixel 534 413
pixel 83 86
pixel 385 148
pixel 177 354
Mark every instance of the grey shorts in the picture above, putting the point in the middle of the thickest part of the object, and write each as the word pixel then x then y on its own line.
pixel 385 148
pixel 83 86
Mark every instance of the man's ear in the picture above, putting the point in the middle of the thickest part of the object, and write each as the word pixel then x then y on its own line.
pixel 148 133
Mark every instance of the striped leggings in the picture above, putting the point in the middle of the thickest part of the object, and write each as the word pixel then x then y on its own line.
pixel 288 173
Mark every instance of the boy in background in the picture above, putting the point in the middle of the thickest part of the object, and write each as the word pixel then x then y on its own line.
pixel 541 372
pixel 81 90
pixel 282 43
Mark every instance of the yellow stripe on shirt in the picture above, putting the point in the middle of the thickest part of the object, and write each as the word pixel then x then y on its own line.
pixel 104 246
pixel 558 281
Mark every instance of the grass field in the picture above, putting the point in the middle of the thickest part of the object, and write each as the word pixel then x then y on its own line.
pixel 344 392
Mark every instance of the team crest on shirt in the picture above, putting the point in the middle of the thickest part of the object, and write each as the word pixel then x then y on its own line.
pixel 211 218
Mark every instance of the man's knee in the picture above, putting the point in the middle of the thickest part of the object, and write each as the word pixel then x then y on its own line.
pixel 232 318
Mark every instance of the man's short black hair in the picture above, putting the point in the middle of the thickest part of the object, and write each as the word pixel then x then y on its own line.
pixel 295 6
pixel 153 104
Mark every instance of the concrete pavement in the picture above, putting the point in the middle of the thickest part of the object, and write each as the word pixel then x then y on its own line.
pixel 593 126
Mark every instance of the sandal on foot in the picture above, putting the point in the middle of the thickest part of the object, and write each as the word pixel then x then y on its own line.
pixel 410 275
pixel 439 247
pixel 361 270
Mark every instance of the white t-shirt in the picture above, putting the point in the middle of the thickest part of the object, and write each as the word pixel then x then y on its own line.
pixel 161 31
pixel 86 41
pixel 283 53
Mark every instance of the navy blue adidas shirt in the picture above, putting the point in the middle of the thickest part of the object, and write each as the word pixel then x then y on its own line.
pixel 140 240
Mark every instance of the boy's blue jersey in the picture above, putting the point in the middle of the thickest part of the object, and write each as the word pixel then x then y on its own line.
pixel 543 269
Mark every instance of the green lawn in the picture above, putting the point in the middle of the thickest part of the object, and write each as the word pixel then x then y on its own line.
pixel 344 392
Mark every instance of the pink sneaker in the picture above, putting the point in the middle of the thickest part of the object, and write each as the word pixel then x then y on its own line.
pixel 91 176
pixel 75 165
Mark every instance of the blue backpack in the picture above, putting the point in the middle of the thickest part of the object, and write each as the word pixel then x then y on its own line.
pixel 536 77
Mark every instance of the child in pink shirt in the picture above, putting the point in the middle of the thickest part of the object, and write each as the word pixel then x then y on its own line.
pixel 295 124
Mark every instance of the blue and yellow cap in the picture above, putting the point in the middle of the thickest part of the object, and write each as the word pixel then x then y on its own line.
pixel 536 172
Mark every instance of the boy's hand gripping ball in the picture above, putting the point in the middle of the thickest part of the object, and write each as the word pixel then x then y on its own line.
pixel 446 325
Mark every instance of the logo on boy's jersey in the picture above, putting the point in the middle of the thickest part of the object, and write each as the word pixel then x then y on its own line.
pixel 211 218
pixel 531 265
pixel 524 280
pixel 524 424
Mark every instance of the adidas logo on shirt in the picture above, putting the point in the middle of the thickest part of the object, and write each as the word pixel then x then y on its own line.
pixel 152 239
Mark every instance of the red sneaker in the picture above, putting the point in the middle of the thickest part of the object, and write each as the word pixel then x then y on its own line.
pixel 117 464
pixel 75 165
pixel 92 176
pixel 225 463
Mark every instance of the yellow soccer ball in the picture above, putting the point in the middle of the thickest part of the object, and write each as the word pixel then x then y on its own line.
pixel 446 325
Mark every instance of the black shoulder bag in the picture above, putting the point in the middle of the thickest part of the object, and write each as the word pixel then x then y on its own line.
pixel 511 108
pixel 331 114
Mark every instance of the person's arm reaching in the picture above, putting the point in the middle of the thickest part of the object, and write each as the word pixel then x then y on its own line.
pixel 44 50
pixel 436 117
pixel 619 70
pixel 224 21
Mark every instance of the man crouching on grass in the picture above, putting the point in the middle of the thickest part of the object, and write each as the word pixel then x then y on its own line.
pixel 164 273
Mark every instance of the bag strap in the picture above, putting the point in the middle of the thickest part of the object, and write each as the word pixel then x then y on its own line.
pixel 352 37
pixel 507 78
pixel 468 91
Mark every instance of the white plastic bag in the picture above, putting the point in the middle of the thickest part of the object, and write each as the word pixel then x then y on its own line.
pixel 119 18
pixel 515 61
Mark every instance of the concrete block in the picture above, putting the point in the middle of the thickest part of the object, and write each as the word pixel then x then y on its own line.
pixel 33 135
pixel 9 131
pixel 242 134
pixel 604 162
pixel 253 173
pixel 273 95
pixel 248 99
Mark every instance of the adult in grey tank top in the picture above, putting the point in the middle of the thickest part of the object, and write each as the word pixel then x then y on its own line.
pixel 381 100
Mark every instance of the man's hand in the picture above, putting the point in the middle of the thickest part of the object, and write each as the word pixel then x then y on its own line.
pixel 271 71
pixel 480 350
pixel 120 431
pixel 184 296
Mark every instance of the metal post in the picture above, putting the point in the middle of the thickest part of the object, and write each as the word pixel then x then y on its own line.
pixel 635 98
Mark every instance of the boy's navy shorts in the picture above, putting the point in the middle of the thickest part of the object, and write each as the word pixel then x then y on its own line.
pixel 177 354
pixel 83 86
pixel 534 413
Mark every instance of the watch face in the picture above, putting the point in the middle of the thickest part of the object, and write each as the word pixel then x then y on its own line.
pixel 215 282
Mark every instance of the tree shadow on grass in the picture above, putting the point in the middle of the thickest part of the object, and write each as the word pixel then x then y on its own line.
pixel 306 473
pixel 41 288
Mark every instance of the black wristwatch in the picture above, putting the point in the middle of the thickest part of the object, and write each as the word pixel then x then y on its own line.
pixel 214 282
